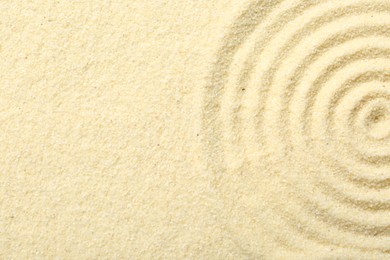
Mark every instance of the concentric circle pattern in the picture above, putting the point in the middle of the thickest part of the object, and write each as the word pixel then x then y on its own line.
pixel 297 121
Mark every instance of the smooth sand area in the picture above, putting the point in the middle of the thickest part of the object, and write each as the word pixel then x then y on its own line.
pixel 214 129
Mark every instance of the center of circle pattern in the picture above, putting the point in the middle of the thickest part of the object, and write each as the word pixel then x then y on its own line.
pixel 297 116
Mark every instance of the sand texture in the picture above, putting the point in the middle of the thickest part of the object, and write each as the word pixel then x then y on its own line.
pixel 215 129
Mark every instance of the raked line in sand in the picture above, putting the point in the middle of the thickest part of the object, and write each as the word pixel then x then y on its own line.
pixel 297 121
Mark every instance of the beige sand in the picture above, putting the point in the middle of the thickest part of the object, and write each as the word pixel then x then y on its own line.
pixel 195 129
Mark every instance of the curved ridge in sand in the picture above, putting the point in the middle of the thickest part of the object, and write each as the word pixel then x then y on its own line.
pixel 297 115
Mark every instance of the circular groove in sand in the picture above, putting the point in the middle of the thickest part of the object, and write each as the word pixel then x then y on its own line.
pixel 264 91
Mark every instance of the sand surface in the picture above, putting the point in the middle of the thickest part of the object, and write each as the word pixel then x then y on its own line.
pixel 215 129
